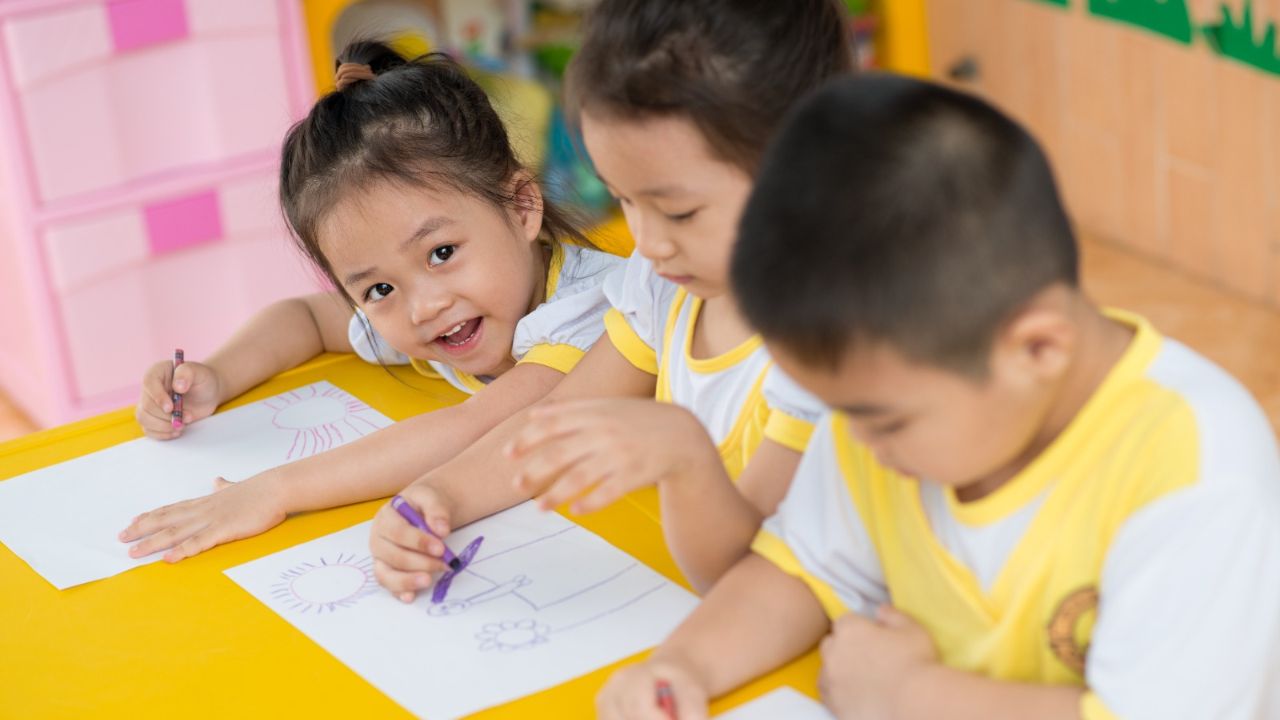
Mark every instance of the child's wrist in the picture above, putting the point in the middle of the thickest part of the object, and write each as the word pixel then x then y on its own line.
pixel 276 486
pixel 677 658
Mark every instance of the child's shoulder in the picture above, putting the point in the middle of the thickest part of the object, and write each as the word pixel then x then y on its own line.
pixel 577 269
pixel 1185 422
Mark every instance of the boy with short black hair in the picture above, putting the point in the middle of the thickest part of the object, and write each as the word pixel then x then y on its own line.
pixel 1021 506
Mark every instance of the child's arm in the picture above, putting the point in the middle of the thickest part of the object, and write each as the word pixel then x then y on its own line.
pixel 282 336
pixel 374 466
pixel 479 481
pixel 754 620
pixel 888 668
pixel 592 452
pixel 709 523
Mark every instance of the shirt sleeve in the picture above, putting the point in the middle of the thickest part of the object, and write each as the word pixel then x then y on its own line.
pixel 640 301
pixel 818 536
pixel 561 330
pixel 1189 608
pixel 369 345
pixel 793 411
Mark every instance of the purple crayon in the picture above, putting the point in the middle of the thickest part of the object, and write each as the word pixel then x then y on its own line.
pixel 407 512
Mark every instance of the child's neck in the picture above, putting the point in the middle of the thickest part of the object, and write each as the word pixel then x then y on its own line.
pixel 1100 345
pixel 719 328
pixel 542 253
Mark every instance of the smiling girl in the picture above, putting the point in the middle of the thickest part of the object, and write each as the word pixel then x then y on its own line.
pixel 402 187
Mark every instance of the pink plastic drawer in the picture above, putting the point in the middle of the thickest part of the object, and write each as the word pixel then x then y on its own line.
pixel 83 251
pixel 191 290
pixel 107 99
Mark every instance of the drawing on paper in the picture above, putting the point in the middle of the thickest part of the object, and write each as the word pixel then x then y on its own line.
pixel 326 585
pixel 512 635
pixel 320 418
pixel 556 608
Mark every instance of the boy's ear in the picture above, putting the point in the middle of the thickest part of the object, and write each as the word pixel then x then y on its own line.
pixel 528 204
pixel 1038 343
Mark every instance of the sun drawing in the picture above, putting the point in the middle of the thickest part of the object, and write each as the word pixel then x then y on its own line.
pixel 512 635
pixel 321 419
pixel 326 585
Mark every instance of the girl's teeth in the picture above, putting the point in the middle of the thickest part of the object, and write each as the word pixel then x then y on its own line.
pixel 455 329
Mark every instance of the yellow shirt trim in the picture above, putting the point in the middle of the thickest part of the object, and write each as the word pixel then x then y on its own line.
pixel 424 368
pixel 554 269
pixel 1092 708
pixel 625 339
pixel 557 357
pixel 773 549
pixel 471 382
pixel 789 432
pixel 724 360
pixel 1063 451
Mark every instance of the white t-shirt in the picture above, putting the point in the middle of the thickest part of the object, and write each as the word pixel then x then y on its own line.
pixel 652 324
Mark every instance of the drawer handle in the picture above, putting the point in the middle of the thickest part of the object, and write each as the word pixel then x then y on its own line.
pixel 141 23
pixel 184 222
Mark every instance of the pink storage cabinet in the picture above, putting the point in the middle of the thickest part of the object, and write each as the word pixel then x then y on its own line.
pixel 139 145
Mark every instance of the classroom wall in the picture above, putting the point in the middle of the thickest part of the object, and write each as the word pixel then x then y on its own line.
pixel 1167 148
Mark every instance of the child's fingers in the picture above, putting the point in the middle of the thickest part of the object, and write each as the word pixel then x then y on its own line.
pixel 162 540
pixel 401 584
pixel 574 482
pixel 147 523
pixel 607 492
pixel 398 532
pixel 549 463
pixel 549 422
pixel 194 545
pixel 407 560
pixel 156 427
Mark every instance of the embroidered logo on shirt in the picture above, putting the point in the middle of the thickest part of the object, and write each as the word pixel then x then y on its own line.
pixel 1065 626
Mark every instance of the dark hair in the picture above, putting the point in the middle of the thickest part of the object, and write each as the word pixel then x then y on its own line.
pixel 732 67
pixel 416 122
pixel 895 210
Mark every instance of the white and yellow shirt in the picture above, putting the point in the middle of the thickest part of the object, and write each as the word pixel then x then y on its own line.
pixel 739 396
pixel 556 334
pixel 1138 556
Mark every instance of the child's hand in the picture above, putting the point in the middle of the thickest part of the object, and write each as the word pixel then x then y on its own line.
pixel 604 449
pixel 404 557
pixel 233 511
pixel 866 663
pixel 199 386
pixel 631 693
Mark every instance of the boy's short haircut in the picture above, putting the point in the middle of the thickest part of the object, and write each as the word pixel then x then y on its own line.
pixel 895 210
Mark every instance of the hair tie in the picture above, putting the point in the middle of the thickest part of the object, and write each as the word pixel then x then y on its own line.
pixel 351 73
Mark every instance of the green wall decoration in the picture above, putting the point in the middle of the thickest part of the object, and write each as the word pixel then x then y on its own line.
pixel 1059 3
pixel 1236 40
pixel 1167 17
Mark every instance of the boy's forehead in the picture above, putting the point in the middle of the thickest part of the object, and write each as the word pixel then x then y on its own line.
pixel 865 382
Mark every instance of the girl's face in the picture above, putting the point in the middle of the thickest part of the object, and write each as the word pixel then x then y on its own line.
pixel 681 203
pixel 441 274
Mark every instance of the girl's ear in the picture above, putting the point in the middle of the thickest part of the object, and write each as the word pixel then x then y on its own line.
pixel 528 204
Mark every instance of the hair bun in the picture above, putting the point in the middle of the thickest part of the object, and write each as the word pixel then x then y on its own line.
pixel 350 73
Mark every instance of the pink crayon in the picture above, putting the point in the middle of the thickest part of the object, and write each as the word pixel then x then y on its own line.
pixel 176 420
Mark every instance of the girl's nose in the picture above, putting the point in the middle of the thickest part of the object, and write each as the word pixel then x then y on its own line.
pixel 428 304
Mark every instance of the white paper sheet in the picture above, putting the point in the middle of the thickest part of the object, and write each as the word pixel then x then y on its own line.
pixel 783 702
pixel 543 601
pixel 63 520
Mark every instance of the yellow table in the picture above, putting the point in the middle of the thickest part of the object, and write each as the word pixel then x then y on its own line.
pixel 163 639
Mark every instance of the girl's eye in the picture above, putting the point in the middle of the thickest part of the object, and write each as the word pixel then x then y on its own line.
pixel 377 292
pixel 888 429
pixel 683 217
pixel 441 254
